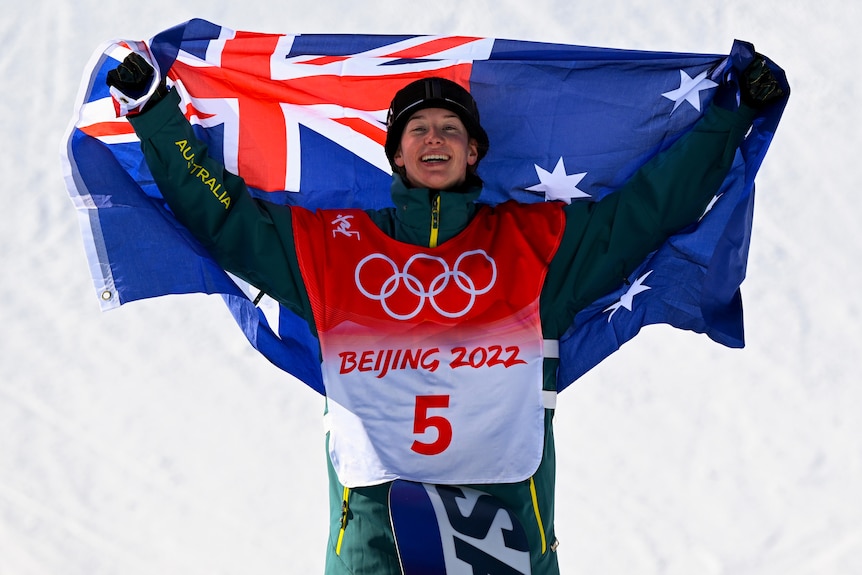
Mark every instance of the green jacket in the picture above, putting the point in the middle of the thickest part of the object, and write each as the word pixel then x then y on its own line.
pixel 602 243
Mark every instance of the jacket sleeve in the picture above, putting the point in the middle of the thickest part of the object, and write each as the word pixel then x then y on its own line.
pixel 604 241
pixel 249 238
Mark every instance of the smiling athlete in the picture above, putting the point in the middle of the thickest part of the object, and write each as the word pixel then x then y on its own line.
pixel 438 317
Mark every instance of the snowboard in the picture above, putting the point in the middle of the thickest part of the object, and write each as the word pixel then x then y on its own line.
pixel 455 530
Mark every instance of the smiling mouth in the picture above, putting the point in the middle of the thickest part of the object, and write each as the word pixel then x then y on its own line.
pixel 433 158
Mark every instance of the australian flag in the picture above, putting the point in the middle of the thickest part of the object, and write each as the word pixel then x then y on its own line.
pixel 302 119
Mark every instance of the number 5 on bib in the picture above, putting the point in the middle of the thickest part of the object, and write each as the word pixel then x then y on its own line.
pixel 423 422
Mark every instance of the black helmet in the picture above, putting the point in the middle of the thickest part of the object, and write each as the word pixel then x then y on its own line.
pixel 432 93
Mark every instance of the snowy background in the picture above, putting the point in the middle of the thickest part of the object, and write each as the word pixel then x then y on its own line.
pixel 154 440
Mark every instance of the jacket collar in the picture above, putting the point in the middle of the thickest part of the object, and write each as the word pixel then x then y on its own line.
pixel 414 206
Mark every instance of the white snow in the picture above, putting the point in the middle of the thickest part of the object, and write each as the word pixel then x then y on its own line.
pixel 154 439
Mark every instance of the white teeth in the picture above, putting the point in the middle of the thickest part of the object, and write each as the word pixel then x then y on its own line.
pixel 435 158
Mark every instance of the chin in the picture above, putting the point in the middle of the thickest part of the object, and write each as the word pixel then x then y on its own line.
pixel 436 184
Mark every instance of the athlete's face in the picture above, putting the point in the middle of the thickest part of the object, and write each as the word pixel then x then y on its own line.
pixel 436 149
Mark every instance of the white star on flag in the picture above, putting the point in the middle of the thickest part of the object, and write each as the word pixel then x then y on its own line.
pixel 558 185
pixel 689 90
pixel 627 298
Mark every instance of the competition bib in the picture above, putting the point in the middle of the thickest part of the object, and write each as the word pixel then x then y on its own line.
pixel 432 357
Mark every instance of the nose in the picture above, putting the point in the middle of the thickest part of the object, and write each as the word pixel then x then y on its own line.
pixel 434 134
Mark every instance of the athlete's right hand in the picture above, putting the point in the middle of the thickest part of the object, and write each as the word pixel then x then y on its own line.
pixel 133 79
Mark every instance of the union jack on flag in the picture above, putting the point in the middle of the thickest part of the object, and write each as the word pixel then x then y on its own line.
pixel 302 119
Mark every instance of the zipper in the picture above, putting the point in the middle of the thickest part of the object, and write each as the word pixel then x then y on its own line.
pixel 538 514
pixel 435 221
pixel 344 510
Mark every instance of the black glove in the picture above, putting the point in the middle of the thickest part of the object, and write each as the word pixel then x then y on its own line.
pixel 133 79
pixel 758 86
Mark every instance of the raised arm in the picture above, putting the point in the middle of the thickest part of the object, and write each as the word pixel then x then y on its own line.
pixel 249 238
pixel 604 241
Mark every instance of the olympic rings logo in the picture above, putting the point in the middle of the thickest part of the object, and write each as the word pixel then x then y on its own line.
pixel 438 284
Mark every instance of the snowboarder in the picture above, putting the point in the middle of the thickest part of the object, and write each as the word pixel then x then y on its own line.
pixel 437 317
